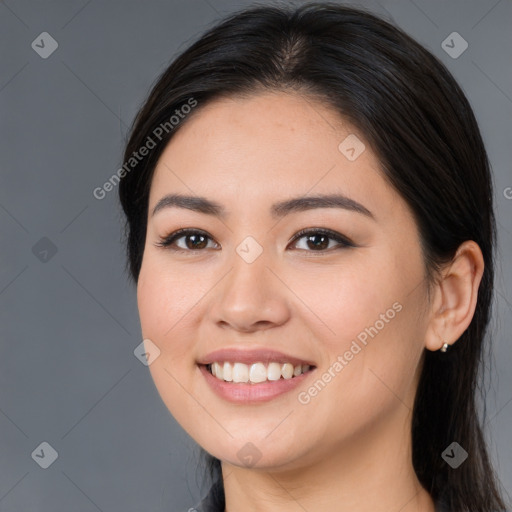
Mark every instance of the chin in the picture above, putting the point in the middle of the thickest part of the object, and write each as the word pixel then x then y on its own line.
pixel 252 454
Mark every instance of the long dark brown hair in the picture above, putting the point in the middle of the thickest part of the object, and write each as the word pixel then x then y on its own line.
pixel 421 126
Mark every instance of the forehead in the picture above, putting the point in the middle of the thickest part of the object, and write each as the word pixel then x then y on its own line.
pixel 262 148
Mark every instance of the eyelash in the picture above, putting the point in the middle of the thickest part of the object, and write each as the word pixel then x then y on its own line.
pixel 166 242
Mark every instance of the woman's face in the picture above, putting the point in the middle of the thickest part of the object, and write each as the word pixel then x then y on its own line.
pixel 355 311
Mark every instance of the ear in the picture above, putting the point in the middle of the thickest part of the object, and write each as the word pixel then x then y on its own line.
pixel 455 296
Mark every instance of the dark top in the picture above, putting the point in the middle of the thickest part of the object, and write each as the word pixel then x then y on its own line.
pixel 214 501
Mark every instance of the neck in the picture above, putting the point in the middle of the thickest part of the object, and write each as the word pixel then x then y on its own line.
pixel 370 473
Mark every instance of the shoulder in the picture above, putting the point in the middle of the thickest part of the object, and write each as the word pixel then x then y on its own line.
pixel 213 501
pixel 442 506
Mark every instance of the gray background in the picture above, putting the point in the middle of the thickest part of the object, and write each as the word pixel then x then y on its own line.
pixel 69 322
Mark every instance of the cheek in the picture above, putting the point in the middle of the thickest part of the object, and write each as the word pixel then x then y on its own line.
pixel 344 301
pixel 368 316
pixel 164 302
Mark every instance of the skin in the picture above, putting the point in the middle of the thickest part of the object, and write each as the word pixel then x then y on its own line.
pixel 349 448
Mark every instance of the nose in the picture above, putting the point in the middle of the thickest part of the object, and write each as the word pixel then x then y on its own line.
pixel 251 297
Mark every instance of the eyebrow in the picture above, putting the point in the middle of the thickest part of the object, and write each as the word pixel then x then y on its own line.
pixel 280 209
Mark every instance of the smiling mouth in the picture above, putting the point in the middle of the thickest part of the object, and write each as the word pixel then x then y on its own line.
pixel 256 373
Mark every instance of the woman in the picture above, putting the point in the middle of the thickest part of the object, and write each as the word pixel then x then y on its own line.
pixel 310 227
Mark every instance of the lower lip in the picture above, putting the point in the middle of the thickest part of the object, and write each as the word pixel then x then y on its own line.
pixel 245 392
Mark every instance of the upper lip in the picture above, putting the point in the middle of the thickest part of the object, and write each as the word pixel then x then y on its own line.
pixel 262 355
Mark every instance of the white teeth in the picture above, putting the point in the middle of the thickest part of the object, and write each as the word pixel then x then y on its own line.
pixel 287 370
pixel 257 372
pixel 240 372
pixel 274 371
pixel 227 372
pixel 218 370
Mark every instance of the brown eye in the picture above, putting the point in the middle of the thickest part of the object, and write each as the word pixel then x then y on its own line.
pixel 197 241
pixel 194 240
pixel 317 240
